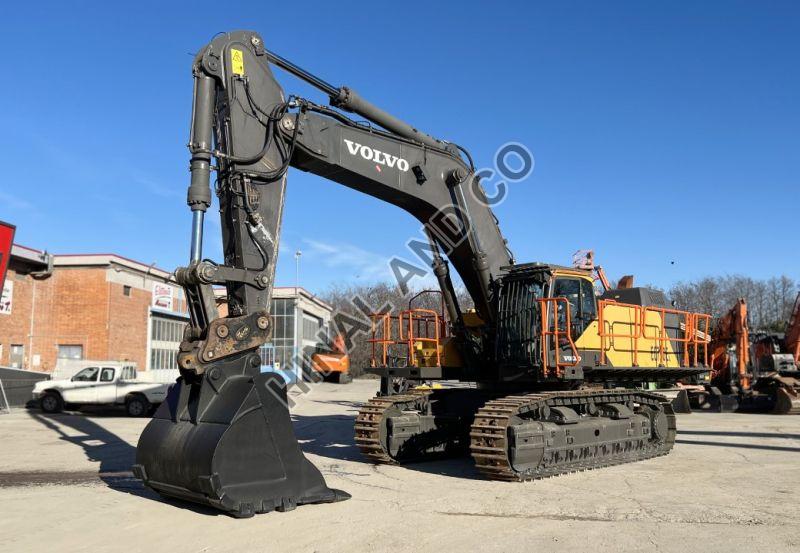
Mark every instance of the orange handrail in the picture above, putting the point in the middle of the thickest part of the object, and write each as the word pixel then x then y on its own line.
pixel 556 332
pixel 701 337
pixel 695 327
pixel 385 339
pixel 411 338
pixel 662 338
pixel 634 336
pixel 413 326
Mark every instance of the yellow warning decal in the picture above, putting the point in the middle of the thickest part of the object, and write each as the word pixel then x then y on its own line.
pixel 237 62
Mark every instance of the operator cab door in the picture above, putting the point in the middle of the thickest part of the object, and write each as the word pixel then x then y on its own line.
pixel 84 386
pixel 107 390
pixel 580 295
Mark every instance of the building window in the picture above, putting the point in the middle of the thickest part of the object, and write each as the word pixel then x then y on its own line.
pixel 311 326
pixel 126 290
pixel 166 334
pixel 267 353
pixel 282 344
pixel 162 359
pixel 70 351
pixel 167 330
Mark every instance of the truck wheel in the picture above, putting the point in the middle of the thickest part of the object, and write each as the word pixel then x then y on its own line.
pixel 51 402
pixel 137 406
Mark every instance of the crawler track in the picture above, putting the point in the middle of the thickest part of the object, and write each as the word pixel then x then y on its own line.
pixel 369 421
pixel 650 433
pixel 490 435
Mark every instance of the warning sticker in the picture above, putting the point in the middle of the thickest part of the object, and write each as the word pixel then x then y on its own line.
pixel 237 62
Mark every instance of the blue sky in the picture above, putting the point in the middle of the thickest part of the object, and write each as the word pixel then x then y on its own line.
pixel 662 132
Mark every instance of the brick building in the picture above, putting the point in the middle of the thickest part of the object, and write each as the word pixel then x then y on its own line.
pixel 107 307
pixel 96 306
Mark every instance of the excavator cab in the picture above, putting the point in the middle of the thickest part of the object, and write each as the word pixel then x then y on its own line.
pixel 552 320
pixel 581 298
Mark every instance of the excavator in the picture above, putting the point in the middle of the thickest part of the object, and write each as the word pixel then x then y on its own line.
pixel 752 372
pixel 544 375
pixel 332 363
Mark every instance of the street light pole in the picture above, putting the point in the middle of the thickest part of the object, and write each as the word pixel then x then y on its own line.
pixel 297 255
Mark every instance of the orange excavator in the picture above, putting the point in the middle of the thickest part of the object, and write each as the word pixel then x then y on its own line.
pixel 749 372
pixel 333 365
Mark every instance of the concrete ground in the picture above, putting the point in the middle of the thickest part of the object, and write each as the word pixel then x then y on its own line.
pixel 732 483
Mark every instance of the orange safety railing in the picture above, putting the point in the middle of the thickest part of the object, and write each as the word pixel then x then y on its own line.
pixel 414 326
pixel 633 336
pixel 545 305
pixel 381 335
pixel 701 336
pixel 695 328
pixel 424 320
pixel 662 337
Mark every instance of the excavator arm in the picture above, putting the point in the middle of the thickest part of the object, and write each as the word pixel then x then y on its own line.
pixel 242 118
pixel 731 334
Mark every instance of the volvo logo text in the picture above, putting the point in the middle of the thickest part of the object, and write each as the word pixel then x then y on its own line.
pixel 371 154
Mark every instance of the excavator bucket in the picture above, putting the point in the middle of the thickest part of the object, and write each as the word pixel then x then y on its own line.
pixel 227 441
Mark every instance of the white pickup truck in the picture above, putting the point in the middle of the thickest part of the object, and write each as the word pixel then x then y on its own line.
pixel 101 386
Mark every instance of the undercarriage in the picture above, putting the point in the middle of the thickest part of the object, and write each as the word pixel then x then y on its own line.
pixel 517 437
pixel 774 393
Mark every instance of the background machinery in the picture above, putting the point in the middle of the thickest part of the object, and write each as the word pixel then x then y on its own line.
pixel 534 364
pixel 752 371
pixel 332 363
pixel 779 352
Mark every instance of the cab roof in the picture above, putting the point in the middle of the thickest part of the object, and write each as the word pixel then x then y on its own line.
pixel 537 267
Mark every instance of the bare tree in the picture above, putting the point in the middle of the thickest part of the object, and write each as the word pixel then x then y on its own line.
pixel 769 301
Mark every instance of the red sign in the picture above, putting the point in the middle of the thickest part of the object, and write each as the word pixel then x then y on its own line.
pixel 6 240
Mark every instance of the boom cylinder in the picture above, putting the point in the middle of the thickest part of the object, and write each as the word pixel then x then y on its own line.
pixel 349 100
pixel 198 196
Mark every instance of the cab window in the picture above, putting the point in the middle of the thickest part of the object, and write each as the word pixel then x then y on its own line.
pixel 88 374
pixel 569 288
pixel 107 374
pixel 581 297
pixel 588 301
